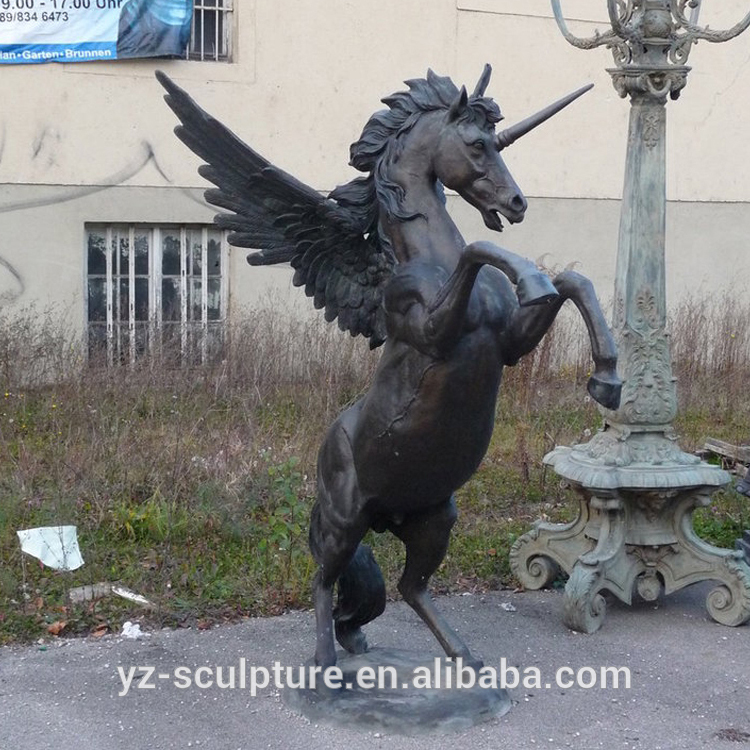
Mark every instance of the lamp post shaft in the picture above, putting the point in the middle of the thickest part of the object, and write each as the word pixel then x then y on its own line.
pixel 640 311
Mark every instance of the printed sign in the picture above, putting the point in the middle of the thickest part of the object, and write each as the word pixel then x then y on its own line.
pixel 38 31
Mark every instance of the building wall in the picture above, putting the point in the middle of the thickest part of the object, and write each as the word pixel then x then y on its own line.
pixel 93 142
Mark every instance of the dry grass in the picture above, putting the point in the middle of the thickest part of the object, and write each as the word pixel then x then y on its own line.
pixel 711 352
pixel 192 485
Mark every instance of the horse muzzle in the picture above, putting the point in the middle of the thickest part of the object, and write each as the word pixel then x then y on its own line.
pixel 513 210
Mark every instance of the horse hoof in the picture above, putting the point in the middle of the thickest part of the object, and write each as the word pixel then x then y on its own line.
pixel 351 639
pixel 535 289
pixel 605 389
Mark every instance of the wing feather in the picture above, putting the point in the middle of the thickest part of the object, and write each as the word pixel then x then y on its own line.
pixel 337 256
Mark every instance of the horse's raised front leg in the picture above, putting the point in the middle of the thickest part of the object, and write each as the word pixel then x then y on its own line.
pixel 529 325
pixel 435 325
pixel 533 287
pixel 425 536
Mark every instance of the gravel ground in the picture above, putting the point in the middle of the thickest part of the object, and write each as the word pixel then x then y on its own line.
pixel 690 682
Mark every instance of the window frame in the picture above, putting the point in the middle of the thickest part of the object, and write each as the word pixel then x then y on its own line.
pixel 114 322
pixel 223 52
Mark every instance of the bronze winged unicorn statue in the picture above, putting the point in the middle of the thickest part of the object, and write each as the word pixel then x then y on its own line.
pixel 382 255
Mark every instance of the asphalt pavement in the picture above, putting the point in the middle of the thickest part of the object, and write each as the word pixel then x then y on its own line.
pixel 689 682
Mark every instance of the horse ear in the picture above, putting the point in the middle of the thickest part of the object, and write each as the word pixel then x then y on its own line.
pixel 483 81
pixel 459 105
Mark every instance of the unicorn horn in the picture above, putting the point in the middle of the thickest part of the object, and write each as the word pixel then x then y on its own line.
pixel 513 133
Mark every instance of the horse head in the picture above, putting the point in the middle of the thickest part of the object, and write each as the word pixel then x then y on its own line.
pixel 437 131
pixel 468 159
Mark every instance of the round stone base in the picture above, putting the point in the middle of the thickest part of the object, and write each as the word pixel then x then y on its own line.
pixel 404 709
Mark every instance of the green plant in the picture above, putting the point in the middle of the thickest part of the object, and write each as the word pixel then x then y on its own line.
pixel 288 509
pixel 193 486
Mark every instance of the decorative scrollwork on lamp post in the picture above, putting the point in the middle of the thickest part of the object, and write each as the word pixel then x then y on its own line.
pixel 639 25
pixel 638 488
pixel 655 35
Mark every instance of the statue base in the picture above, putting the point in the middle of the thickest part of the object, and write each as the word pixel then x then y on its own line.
pixel 743 545
pixel 634 531
pixel 400 707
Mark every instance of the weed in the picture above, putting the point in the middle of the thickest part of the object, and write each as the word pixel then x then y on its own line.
pixel 193 486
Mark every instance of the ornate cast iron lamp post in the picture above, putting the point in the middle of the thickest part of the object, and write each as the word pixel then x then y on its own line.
pixel 638 489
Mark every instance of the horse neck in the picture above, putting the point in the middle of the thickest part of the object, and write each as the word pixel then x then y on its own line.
pixel 431 236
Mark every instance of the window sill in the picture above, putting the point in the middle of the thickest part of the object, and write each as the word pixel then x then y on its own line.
pixel 203 71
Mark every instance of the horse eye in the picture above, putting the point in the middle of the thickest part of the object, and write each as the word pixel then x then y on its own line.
pixel 478 145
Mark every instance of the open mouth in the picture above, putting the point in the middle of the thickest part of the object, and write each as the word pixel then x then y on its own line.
pixel 492 220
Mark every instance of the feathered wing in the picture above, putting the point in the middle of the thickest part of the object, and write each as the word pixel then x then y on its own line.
pixel 336 255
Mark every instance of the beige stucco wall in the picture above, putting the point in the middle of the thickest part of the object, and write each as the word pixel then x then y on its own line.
pixel 52 262
pixel 306 76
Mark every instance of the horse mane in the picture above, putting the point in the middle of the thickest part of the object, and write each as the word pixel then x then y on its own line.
pixel 380 144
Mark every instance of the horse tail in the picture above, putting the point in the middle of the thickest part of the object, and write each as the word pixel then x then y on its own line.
pixel 361 595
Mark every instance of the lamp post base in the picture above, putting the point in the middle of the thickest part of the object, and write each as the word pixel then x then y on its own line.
pixel 637 538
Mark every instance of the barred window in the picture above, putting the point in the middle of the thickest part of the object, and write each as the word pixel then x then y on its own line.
pixel 211 34
pixel 157 290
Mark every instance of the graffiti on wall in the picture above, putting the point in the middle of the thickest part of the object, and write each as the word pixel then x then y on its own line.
pixel 44 146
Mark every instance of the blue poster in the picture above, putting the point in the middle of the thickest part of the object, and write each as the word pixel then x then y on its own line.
pixel 38 31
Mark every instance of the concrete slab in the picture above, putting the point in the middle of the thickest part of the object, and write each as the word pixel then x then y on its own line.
pixel 690 682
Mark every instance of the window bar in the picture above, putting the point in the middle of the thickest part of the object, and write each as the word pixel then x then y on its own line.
pixel 217 13
pixel 121 309
pixel 226 29
pixel 184 259
pixel 117 293
pixel 120 301
pixel 223 288
pixel 150 234
pixel 203 32
pixel 204 295
pixel 154 289
pixel 191 45
pixel 110 301
pixel 131 293
pixel 229 31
